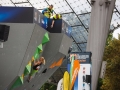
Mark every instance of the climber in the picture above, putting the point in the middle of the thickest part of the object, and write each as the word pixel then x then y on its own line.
pixel 56 17
pixel 36 67
pixel 48 12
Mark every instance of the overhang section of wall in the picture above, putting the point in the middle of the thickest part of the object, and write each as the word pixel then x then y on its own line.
pixel 35 40
pixel 56 48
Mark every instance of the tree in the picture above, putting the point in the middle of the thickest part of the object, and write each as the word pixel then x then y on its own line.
pixel 100 83
pixel 109 38
pixel 112 56
pixel 48 86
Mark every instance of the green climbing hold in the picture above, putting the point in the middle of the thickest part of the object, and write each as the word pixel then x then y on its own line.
pixel 27 69
pixel 18 82
pixel 36 54
pixel 40 48
pixel 45 38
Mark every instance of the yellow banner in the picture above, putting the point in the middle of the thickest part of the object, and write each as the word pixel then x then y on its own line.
pixel 66 81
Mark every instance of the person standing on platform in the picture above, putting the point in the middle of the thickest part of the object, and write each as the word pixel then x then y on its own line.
pixel 48 12
pixel 56 17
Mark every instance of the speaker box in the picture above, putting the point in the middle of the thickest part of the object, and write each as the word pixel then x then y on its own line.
pixel 88 78
pixel 4 32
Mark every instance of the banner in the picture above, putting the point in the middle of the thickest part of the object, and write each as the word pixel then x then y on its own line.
pixel 72 58
pixel 66 81
pixel 71 68
pixel 82 80
pixel 16 14
pixel 82 77
pixel 66 28
pixel 76 67
pixel 83 57
pixel 60 85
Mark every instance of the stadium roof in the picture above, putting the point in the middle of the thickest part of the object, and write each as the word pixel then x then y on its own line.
pixel 76 13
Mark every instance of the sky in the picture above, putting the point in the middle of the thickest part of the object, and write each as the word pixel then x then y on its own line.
pixel 115 34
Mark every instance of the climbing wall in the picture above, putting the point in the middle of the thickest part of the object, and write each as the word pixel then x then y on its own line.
pixel 26 43
pixel 17 51
pixel 22 80
pixel 54 50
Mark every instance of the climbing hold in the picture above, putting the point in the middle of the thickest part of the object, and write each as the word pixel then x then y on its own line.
pixel 18 82
pixel 40 48
pixel 45 38
pixel 27 69
pixel 36 54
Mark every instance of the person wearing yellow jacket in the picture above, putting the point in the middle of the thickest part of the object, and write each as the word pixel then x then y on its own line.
pixel 55 17
pixel 48 12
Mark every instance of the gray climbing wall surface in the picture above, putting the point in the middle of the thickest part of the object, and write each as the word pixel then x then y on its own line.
pixel 19 50
pixel 56 48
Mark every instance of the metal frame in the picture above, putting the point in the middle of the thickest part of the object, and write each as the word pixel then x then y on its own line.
pixel 76 15
pixel 76 44
pixel 81 42
pixel 117 10
pixel 68 12
pixel 84 13
pixel 12 2
pixel 89 2
pixel 19 2
pixel 30 3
